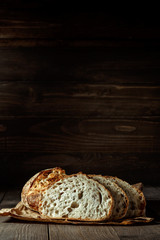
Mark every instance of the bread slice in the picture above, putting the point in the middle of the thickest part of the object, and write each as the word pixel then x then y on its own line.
pixel 31 191
pixel 76 197
pixel 137 202
pixel 121 201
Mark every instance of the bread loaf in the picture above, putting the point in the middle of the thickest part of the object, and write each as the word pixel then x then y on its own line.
pixel 95 198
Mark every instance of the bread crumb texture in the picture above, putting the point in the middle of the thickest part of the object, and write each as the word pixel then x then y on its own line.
pixel 76 197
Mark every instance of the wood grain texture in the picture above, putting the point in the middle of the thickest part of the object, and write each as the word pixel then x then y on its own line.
pixel 21 23
pixel 23 231
pixel 107 65
pixel 59 107
pixel 79 90
pixel 75 89
pixel 100 232
pixel 75 135
pixel 138 232
pixel 72 26
pixel 81 232
pixel 78 100
pixel 132 167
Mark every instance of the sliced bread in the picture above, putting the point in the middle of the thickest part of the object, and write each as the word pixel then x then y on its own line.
pixel 137 202
pixel 121 201
pixel 31 191
pixel 76 197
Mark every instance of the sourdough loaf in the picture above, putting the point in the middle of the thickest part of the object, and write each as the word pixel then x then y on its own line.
pixel 76 197
pixel 125 200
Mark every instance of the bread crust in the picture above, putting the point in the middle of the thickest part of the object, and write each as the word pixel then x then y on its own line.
pixel 31 191
pixel 26 190
pixel 79 219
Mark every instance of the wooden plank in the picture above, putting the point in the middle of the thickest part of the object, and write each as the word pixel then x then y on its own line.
pixel 95 108
pixel 43 127
pixel 22 100
pixel 74 25
pixel 33 91
pixel 148 232
pixel 81 143
pixel 21 166
pixel 103 232
pixel 61 232
pixel 35 103
pixel 12 229
pixel 76 43
pixel 79 135
pixel 107 65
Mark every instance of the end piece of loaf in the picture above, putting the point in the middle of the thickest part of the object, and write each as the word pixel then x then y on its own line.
pixel 31 191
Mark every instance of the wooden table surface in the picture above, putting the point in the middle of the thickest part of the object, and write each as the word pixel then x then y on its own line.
pixel 16 229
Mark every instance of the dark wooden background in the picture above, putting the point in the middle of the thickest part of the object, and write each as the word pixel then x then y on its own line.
pixel 80 90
